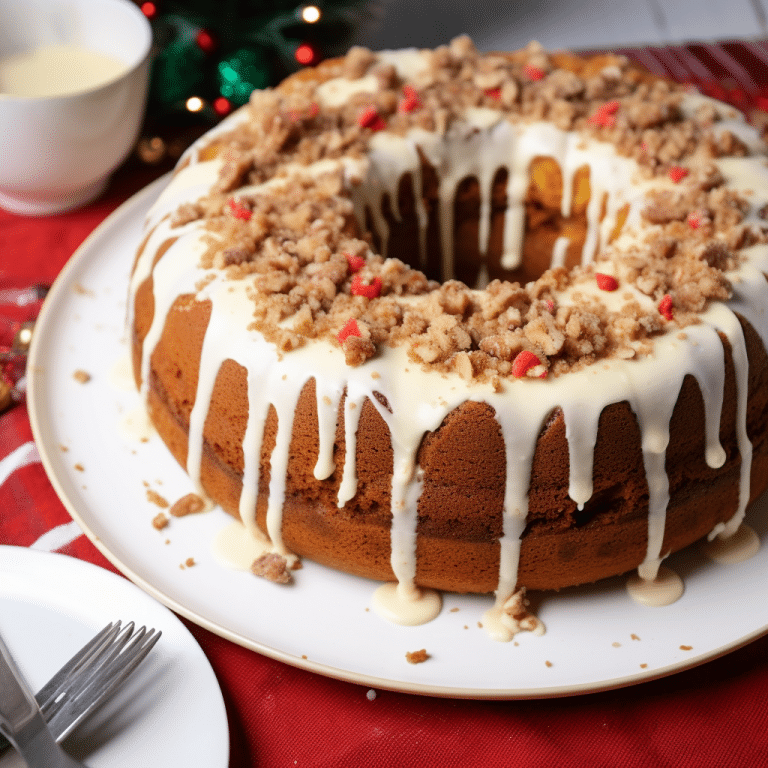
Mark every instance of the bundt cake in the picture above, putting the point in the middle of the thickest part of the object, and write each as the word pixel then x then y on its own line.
pixel 462 321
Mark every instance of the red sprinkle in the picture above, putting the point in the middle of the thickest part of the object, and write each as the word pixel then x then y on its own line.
pixel 523 363
pixel 239 211
pixel 665 307
pixel 493 93
pixel 410 100
pixel 677 173
pixel 533 73
pixel 356 263
pixel 606 282
pixel 550 305
pixel 350 329
pixel 605 115
pixel 694 219
pixel 370 118
pixel 370 290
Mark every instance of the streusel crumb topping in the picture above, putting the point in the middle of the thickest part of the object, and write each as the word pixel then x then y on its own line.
pixel 311 266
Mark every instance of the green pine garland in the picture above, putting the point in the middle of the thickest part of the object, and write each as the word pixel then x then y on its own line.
pixel 223 49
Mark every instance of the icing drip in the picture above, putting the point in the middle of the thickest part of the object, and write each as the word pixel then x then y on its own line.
pixel 353 405
pixel 559 252
pixel 727 322
pixel 478 148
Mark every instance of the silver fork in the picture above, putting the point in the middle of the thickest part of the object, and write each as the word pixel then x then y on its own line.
pixel 91 676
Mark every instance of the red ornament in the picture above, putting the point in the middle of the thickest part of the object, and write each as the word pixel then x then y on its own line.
pixel 523 363
pixel 666 307
pixel 370 290
pixel 222 106
pixel 306 54
pixel 149 9
pixel 606 282
pixel 350 329
pixel 206 42
pixel 678 173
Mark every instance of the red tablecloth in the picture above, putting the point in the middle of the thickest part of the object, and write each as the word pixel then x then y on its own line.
pixel 714 715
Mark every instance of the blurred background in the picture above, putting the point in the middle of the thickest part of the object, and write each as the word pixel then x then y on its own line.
pixel 589 24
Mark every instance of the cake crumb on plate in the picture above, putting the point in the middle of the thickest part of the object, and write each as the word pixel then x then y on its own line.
pixel 272 567
pixel 187 505
pixel 160 521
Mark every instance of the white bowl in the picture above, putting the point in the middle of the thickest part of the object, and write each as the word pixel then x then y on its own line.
pixel 57 152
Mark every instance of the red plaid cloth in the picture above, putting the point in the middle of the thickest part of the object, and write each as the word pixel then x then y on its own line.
pixel 714 715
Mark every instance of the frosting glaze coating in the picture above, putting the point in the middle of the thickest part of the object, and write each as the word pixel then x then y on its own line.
pixel 721 353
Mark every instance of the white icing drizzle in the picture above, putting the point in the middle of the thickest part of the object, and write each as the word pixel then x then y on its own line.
pixel 478 148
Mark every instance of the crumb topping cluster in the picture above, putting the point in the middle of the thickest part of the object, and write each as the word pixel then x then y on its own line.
pixel 312 270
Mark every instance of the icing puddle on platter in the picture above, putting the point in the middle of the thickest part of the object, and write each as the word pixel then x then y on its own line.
pixel 665 589
pixel 735 549
pixel 410 608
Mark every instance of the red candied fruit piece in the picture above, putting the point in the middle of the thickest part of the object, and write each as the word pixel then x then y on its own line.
pixel 295 115
pixel 666 307
pixel 677 173
pixel 369 290
pixel 410 100
pixel 356 263
pixel 523 363
pixel 493 93
pixel 605 115
pixel 606 282
pixel 370 118
pixel 238 210
pixel 694 219
pixel 350 328
pixel 533 73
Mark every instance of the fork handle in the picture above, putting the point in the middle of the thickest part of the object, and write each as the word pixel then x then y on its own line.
pixel 18 706
pixel 21 721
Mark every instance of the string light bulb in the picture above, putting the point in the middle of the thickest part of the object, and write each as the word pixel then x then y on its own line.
pixel 311 14
pixel 222 106
pixel 149 9
pixel 306 54
pixel 194 104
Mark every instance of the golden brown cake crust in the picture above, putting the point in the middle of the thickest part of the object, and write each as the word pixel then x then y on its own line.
pixel 460 506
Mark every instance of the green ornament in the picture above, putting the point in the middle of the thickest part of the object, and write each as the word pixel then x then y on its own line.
pixel 241 72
